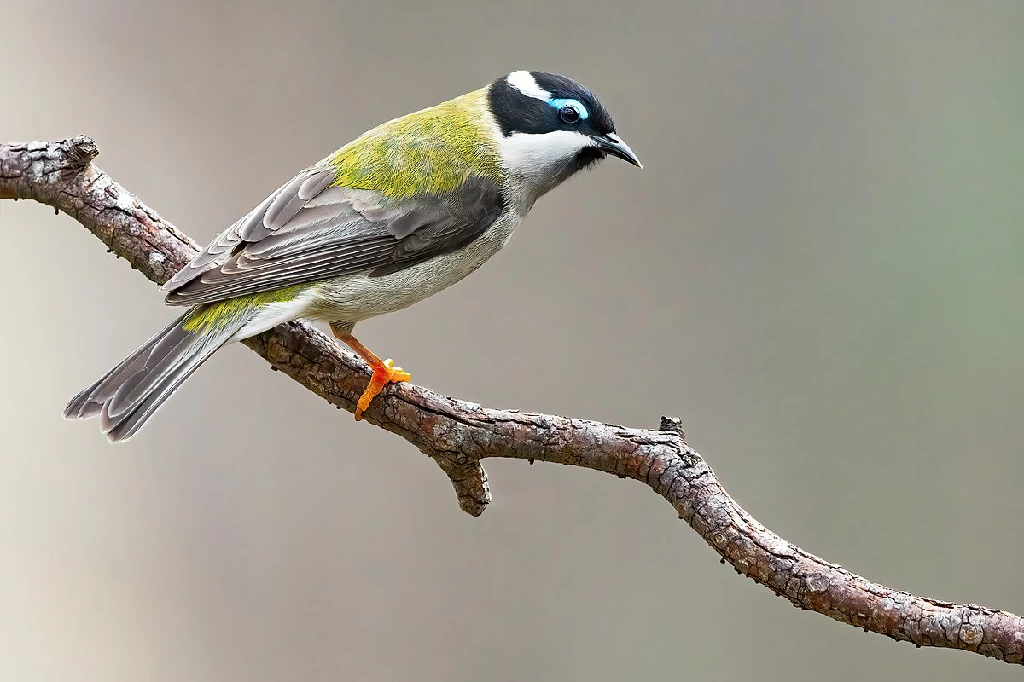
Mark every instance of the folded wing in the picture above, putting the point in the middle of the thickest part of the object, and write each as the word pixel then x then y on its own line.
pixel 310 230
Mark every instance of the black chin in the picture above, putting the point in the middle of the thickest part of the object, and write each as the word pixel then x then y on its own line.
pixel 584 159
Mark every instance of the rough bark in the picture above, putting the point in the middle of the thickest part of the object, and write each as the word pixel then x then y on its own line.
pixel 457 435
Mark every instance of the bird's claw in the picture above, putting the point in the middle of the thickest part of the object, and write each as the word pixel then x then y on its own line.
pixel 383 374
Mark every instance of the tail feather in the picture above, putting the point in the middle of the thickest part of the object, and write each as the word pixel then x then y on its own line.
pixel 166 356
pixel 128 424
pixel 89 402
pixel 128 395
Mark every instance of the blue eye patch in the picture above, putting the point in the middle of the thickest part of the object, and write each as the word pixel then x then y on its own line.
pixel 574 103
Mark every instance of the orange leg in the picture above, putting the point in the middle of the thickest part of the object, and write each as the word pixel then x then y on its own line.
pixel 384 371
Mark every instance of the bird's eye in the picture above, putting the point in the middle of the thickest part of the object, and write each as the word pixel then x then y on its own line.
pixel 569 114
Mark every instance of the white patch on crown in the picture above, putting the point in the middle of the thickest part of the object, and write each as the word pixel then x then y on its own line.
pixel 539 159
pixel 524 82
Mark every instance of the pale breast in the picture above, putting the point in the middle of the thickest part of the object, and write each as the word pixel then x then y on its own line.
pixel 358 297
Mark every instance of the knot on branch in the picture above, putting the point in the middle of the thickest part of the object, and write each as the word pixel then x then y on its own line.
pixel 470 483
pixel 673 425
pixel 80 151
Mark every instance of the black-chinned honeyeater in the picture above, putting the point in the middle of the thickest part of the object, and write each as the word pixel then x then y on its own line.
pixel 407 209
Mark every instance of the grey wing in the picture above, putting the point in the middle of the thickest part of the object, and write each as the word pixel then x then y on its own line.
pixel 309 230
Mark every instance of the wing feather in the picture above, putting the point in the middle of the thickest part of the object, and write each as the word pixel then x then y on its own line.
pixel 310 230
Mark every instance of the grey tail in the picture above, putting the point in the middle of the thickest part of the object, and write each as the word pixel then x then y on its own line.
pixel 128 395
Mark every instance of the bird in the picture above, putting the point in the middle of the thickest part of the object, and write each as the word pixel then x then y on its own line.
pixel 402 212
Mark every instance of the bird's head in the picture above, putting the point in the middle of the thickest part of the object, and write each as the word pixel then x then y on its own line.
pixel 551 128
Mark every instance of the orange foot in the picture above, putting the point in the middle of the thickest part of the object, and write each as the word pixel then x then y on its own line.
pixel 384 371
pixel 383 374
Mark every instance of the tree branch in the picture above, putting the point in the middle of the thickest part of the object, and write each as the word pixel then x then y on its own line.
pixel 457 435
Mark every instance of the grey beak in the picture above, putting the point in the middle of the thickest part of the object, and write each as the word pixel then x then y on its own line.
pixel 613 144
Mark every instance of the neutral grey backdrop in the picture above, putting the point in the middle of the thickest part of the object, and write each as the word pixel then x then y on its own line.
pixel 819 270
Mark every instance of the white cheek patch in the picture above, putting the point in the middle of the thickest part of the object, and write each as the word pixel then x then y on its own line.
pixel 542 155
pixel 524 82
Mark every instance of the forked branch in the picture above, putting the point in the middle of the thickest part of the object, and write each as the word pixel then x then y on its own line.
pixel 458 435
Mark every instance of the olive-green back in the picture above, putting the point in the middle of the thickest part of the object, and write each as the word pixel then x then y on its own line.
pixel 431 151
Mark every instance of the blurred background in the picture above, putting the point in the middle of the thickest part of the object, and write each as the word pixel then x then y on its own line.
pixel 821 259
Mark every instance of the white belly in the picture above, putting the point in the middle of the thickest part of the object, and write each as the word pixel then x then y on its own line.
pixel 357 297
